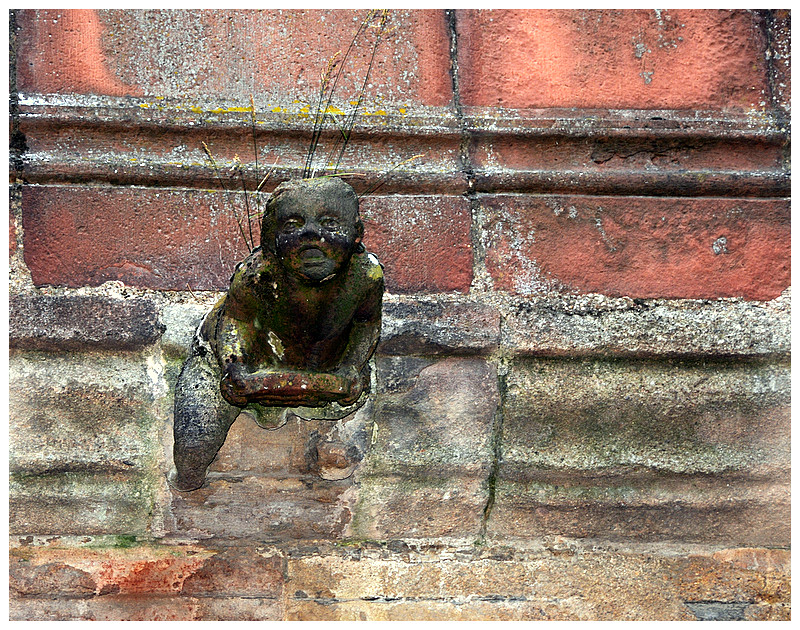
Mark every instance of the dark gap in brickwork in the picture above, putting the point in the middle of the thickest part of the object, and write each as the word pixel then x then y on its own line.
pixel 17 144
pixel 465 152
pixel 718 611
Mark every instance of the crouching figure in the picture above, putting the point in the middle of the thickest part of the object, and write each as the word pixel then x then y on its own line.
pixel 293 335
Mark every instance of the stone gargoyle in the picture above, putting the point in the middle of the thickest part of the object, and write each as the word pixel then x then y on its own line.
pixel 294 333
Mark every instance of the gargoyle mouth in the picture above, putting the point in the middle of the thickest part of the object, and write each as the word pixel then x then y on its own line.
pixel 312 253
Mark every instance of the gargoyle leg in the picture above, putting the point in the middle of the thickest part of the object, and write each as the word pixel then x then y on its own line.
pixel 202 420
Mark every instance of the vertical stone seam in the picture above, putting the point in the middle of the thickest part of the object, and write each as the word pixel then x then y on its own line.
pixel 480 282
pixel 17 143
pixel 769 27
pixel 495 443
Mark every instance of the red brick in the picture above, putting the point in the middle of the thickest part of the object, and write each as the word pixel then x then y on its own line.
pixel 60 50
pixel 640 247
pixel 167 239
pixel 174 239
pixel 275 55
pixel 643 59
pixel 422 241
pixel 238 572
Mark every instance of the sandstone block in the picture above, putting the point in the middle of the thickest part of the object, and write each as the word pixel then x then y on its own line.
pixel 55 580
pixel 170 239
pixel 263 508
pixel 438 326
pixel 645 451
pixel 442 423
pixel 422 241
pixel 236 572
pixel 188 239
pixel 44 322
pixel 86 439
pixel 568 325
pixel 638 247
pixel 651 59
pixel 430 455
pixel 118 47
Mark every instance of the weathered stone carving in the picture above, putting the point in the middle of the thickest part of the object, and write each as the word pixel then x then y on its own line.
pixel 293 335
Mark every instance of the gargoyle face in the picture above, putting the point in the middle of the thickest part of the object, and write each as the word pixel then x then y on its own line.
pixel 316 229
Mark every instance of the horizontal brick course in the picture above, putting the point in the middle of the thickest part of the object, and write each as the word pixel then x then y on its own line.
pixel 179 240
pixel 371 581
pixel 43 322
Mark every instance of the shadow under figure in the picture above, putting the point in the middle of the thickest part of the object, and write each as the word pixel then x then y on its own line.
pixel 293 335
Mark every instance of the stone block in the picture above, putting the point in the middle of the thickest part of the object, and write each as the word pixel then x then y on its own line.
pixel 651 59
pixel 636 450
pixel 188 239
pixel 54 580
pixel 426 473
pixel 566 325
pixel 263 508
pixel 237 572
pixel 443 423
pixel 416 506
pixel 170 239
pixel 71 322
pixel 181 320
pixel 638 247
pixel 438 326
pixel 86 435
pixel 84 413
pixel 82 503
pixel 252 450
pixel 271 51
pixel 422 241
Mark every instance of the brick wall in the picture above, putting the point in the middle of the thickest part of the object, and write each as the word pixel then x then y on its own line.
pixel 583 382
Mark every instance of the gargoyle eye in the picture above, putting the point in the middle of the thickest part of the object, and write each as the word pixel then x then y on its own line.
pixel 330 223
pixel 292 223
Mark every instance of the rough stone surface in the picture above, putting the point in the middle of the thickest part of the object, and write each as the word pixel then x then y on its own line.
pixel 180 325
pixel 438 326
pixel 598 325
pixel 169 239
pixel 44 322
pixel 652 59
pixel 430 455
pixel 639 247
pixel 269 49
pixel 423 242
pixel 561 579
pixel 688 451
pixel 179 240
pixel 582 393
pixel 237 572
pixel 87 442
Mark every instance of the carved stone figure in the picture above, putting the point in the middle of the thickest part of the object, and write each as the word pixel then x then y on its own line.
pixel 293 335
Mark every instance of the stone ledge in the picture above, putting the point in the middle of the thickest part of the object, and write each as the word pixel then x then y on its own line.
pixel 314 580
pixel 596 325
pixel 438 326
pixel 154 133
pixel 69 323
pixel 441 324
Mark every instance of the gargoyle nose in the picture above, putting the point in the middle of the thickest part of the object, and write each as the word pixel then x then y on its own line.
pixel 311 230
